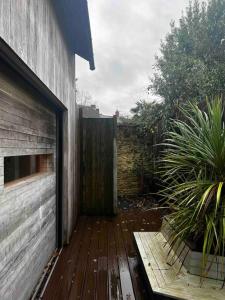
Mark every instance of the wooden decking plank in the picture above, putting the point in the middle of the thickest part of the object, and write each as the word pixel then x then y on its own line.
pixel 114 286
pixel 129 223
pixel 74 254
pixel 81 268
pixel 102 275
pixel 125 278
pixel 73 276
pixel 89 289
pixel 60 282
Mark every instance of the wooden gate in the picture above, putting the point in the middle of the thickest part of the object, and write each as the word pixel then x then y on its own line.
pixel 98 166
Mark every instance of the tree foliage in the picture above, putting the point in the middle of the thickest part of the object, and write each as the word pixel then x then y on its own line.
pixel 190 68
pixel 192 60
pixel 147 115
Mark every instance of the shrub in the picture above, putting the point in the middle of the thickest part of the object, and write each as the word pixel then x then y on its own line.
pixel 193 175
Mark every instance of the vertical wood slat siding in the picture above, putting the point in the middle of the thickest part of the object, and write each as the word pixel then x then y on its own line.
pixel 97 166
pixel 32 30
pixel 28 208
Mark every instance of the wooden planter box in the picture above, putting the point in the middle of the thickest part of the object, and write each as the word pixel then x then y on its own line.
pixel 192 260
pixel 174 271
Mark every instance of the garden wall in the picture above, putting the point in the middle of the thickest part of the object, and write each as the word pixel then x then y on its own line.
pixel 129 149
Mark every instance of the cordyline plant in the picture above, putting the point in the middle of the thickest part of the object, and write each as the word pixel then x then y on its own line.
pixel 193 175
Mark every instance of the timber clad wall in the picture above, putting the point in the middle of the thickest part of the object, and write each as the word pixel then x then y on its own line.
pixel 28 205
pixel 28 127
pixel 32 30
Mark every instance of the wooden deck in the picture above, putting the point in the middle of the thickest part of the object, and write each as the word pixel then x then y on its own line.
pixel 101 261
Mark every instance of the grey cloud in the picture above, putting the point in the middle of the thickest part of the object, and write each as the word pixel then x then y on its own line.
pixel 126 36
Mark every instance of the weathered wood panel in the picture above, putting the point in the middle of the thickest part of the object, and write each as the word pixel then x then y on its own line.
pixel 32 30
pixel 97 166
pixel 28 206
pixel 172 279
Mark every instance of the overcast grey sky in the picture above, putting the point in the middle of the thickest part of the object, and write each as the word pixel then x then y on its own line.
pixel 126 36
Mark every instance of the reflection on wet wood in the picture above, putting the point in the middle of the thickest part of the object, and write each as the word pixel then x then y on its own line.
pixel 102 262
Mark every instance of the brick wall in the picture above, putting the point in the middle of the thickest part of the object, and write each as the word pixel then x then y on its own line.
pixel 128 154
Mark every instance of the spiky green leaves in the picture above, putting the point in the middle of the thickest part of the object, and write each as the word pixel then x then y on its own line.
pixel 193 173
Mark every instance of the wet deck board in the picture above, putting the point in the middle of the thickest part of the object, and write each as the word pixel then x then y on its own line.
pixel 101 261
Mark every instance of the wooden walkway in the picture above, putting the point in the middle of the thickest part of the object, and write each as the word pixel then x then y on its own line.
pixel 101 261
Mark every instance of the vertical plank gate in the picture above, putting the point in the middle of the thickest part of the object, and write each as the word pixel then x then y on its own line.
pixel 98 166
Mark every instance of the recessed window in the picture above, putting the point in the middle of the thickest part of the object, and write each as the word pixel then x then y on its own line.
pixel 17 167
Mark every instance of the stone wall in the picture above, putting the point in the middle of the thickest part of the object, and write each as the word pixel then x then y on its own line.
pixel 128 154
pixel 136 166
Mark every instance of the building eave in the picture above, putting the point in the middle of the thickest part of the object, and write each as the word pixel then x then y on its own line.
pixel 74 19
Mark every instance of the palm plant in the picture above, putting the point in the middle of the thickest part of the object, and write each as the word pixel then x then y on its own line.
pixel 193 175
